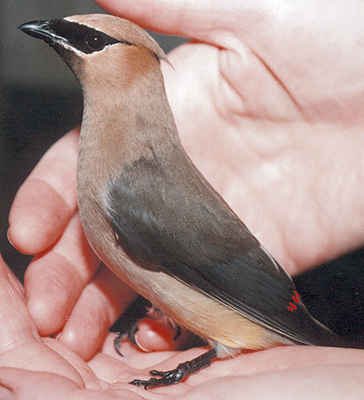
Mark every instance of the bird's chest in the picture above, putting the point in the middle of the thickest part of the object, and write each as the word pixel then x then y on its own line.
pixel 94 174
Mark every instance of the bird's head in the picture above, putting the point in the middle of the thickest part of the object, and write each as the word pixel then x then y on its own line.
pixel 98 43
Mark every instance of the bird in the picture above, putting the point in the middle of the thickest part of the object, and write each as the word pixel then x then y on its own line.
pixel 152 217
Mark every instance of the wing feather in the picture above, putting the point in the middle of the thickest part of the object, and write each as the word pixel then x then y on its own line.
pixel 198 239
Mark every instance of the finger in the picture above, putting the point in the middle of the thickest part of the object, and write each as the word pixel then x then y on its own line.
pixel 154 336
pixel 159 335
pixel 47 200
pixel 193 19
pixel 100 304
pixel 15 322
pixel 20 343
pixel 313 382
pixel 23 384
pixel 55 279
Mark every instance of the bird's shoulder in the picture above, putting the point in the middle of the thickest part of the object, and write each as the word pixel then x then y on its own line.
pixel 174 211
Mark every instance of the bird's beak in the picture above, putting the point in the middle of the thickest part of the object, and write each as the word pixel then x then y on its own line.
pixel 42 30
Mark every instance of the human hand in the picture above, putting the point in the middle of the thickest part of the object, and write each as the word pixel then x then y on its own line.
pixel 268 100
pixel 268 103
pixel 68 291
pixel 36 368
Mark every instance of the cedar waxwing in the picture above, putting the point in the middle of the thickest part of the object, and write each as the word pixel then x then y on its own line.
pixel 151 216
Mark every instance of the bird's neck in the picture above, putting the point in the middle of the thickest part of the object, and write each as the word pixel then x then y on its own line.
pixel 123 125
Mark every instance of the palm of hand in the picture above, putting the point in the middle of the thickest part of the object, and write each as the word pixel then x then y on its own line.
pixel 58 373
pixel 31 367
pixel 274 125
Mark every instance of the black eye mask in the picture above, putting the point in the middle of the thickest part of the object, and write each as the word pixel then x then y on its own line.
pixel 81 37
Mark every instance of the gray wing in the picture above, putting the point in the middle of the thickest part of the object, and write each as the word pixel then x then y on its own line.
pixel 198 239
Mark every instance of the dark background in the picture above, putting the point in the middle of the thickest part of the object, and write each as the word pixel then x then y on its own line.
pixel 40 101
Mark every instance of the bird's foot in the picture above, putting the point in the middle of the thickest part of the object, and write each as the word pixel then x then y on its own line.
pixel 176 375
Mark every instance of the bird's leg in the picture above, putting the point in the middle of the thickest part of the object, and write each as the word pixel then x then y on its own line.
pixel 177 374
pixel 128 325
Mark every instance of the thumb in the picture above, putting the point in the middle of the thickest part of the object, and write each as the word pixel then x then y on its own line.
pixel 197 19
pixel 15 322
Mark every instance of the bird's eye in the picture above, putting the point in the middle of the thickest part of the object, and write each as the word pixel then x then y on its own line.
pixel 95 42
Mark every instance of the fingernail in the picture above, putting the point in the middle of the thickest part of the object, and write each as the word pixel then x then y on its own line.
pixel 9 239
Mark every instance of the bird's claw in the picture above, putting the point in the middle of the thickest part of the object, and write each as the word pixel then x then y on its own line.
pixel 167 378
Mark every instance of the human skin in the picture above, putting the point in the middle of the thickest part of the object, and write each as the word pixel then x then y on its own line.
pixel 34 368
pixel 268 100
